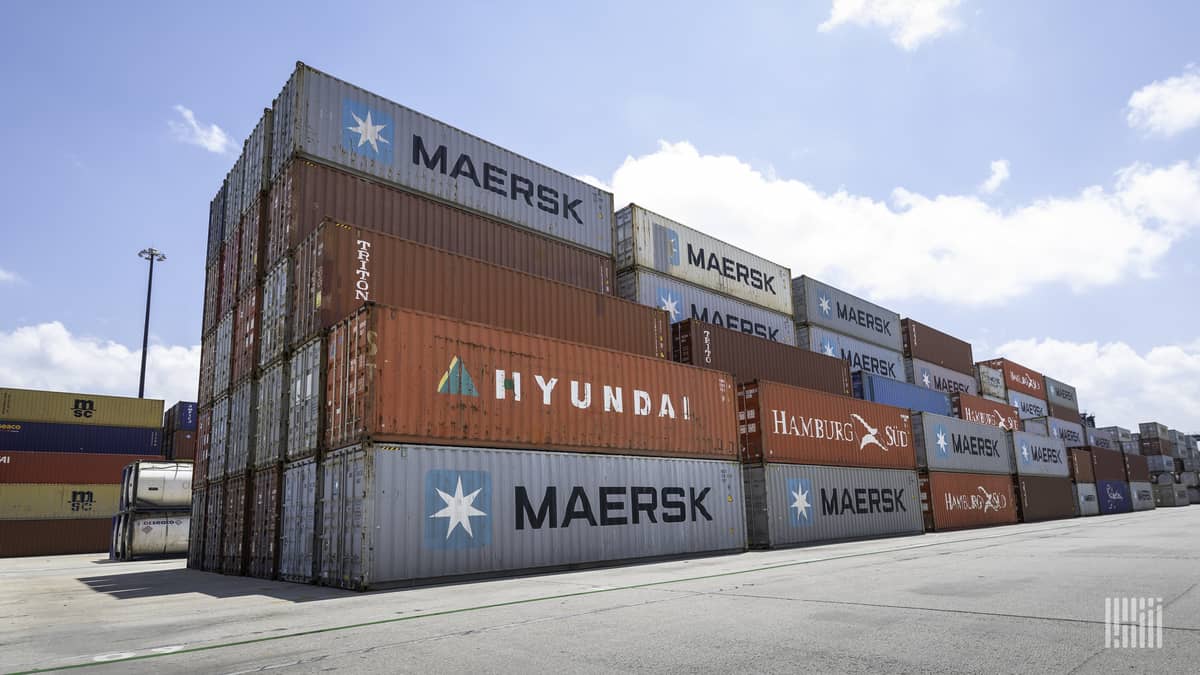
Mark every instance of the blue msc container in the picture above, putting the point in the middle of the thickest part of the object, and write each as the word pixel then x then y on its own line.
pixel 50 437
pixel 1114 496
pixel 184 413
pixel 899 394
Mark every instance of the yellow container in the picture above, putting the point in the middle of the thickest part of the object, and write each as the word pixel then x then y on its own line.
pixel 41 501
pixel 27 405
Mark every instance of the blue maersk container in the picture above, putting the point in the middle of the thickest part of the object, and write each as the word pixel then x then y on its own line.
pixel 1114 496
pixel 891 392
pixel 49 437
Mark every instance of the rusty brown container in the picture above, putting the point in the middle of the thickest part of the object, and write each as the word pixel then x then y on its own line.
pixel 208 364
pixel 250 266
pixel 402 376
pixel 235 514
pixel 339 267
pixel 1156 446
pixel 54 537
pixel 1081 465
pixel 928 344
pixel 245 336
pixel 182 445
pixel 1108 464
pixel 955 501
pixel 264 523
pixel 212 296
pixel 982 411
pixel 1044 498
pixel 1137 468
pixel 1019 378
pixel 230 260
pixel 749 358
pixel 65 467
pixel 791 425
pixel 306 194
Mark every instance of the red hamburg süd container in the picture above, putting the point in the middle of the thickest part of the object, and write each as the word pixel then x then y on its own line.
pixel 953 501
pixel 339 267
pixel 306 194
pixel 402 376
pixel 750 358
pixel 982 411
pixel 778 423
pixel 928 344
pixel 1019 378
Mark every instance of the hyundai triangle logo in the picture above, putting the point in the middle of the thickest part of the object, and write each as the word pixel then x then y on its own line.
pixel 456 380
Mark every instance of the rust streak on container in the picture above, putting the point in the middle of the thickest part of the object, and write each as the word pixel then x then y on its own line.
pixel 779 423
pixel 340 267
pixel 404 376
pixel 932 345
pixel 307 194
pixel 750 358
pixel 954 501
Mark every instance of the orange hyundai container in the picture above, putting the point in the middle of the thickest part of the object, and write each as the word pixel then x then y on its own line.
pixel 780 423
pixel 402 376
pixel 953 501
pixel 1019 378
pixel 339 267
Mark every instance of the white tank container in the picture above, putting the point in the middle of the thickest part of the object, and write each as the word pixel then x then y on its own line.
pixel 157 485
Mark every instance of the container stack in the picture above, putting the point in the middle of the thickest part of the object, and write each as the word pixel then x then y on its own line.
pixel 965 472
pixel 179 432
pixel 1141 489
pixel 819 467
pixel 690 275
pixel 1044 489
pixel 61 457
pixel 938 361
pixel 1113 488
pixel 835 323
pixel 155 510
pixel 1083 481
pixel 1004 381
pixel 1158 446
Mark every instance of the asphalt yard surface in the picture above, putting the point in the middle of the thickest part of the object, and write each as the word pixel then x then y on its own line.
pixel 1021 598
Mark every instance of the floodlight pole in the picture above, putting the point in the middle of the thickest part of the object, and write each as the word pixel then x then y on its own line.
pixel 151 254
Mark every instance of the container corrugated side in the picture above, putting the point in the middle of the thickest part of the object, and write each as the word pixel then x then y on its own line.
pixel 1039 455
pixel 991 382
pixel 216 226
pixel 180 445
pixel 316 115
pixel 1152 430
pixel 212 295
pixel 954 501
pixel 1062 398
pixel 1108 465
pixel 1045 498
pixel 1020 378
pixel 340 267
pixel 208 365
pixel 403 376
pixel 936 348
pixel 19 538
pixel 203 442
pixel 647 239
pixel 932 376
pixel 48 501
pixel 783 424
pixel 245 336
pixel 748 358
pixel 1101 438
pixel 223 356
pixel 794 504
pixel 218 440
pixel 1119 434
pixel 195 552
pixel 306 194
pixel 951 444
pixel 396 514
pixel 214 527
pixel 230 261
pixel 822 305
pixel 297 533
pixel 263 540
pixel 271 411
pixel 274 332
pixel 1086 500
pixel 1114 496
pixel 64 467
pixel 235 196
pixel 306 389
pixel 1137 468
pixel 17 436
pixel 983 411
pixel 899 394
pixel 235 524
pixel 27 405
pixel 1070 433
pixel 242 421
pixel 858 355
pixel 257 154
pixel 1080 463
pixel 181 416
pixel 1141 495
pixel 682 301
pixel 252 257
pixel 1027 406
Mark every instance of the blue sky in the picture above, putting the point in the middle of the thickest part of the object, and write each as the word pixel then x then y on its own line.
pixel 95 172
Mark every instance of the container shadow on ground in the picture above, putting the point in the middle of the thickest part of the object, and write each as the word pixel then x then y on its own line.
pixel 182 581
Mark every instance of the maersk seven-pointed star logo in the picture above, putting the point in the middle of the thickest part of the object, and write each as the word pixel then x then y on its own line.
pixel 824 303
pixel 671 301
pixel 456 380
pixel 458 509
pixel 926 378
pixel 1024 453
pixel 942 444
pixel 800 498
pixel 828 348
pixel 367 132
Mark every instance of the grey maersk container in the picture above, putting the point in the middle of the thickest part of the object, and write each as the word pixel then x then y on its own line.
pixel 1027 406
pixel 952 444
pixel 687 301
pixel 399 514
pixel 1062 397
pixel 791 504
pixel 933 376
pixel 646 239
pixel 324 118
pixel 859 355
pixel 1070 433
pixel 822 305
pixel 991 383
pixel 1039 455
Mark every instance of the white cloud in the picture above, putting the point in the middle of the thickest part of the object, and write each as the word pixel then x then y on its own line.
pixel 212 137
pixel 1167 107
pixel 997 178
pixel 48 356
pixel 1119 385
pixel 912 246
pixel 910 22
pixel 7 277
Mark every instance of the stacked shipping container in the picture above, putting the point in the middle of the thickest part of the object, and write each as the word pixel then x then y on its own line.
pixel 835 323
